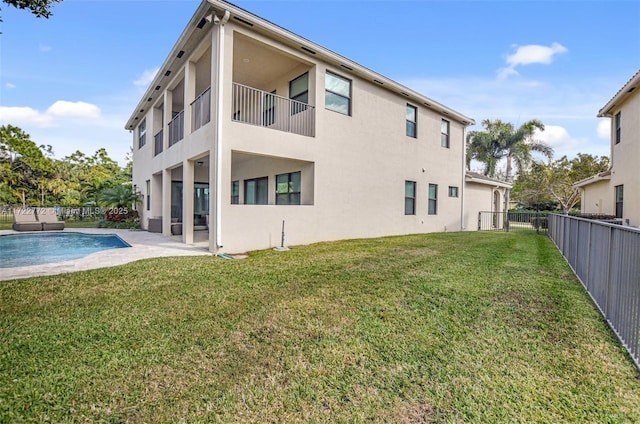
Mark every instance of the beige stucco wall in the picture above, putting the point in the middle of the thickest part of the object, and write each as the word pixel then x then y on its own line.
pixel 598 198
pixel 480 198
pixel 354 169
pixel 626 157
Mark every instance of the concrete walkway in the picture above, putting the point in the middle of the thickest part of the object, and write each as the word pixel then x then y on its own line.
pixel 143 245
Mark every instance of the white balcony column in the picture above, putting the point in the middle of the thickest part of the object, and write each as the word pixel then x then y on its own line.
pixel 189 95
pixel 156 195
pixel 213 210
pixel 168 101
pixel 217 103
pixel 188 179
pixel 166 202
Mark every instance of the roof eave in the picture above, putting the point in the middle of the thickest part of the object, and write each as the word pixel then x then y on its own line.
pixel 186 33
pixel 284 34
pixel 629 89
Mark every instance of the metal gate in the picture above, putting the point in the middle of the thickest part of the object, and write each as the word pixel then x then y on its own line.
pixel 522 222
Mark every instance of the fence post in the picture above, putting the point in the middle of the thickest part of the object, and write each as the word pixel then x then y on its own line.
pixel 479 220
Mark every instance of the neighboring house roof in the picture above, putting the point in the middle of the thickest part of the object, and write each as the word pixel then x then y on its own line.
pixel 474 177
pixel 602 176
pixel 625 92
pixel 190 38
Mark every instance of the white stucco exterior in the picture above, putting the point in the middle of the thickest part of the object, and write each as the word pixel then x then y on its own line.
pixel 353 166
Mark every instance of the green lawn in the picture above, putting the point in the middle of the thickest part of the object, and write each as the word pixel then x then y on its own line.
pixel 458 327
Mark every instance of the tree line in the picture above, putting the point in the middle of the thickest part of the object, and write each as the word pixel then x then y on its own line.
pixel 544 183
pixel 31 176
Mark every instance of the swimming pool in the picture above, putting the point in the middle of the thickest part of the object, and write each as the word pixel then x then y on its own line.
pixel 37 249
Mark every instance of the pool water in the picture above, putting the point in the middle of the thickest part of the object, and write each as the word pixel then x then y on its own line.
pixel 37 249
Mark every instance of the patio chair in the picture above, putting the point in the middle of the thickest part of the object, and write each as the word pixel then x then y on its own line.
pixel 49 219
pixel 25 220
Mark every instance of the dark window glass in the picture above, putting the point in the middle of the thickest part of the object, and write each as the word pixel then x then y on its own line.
pixel 444 133
pixel 338 93
pixel 412 123
pixel 235 192
pixel 256 191
pixel 409 198
pixel 619 200
pixel 433 199
pixel 288 188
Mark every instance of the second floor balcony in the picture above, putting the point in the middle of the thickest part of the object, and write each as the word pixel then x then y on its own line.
pixel 257 107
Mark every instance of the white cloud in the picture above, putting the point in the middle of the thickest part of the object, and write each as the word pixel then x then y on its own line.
pixel 9 86
pixel 559 139
pixel 63 108
pixel 534 53
pixel 24 116
pixel 604 129
pixel 146 78
pixel 504 73
pixel 58 113
pixel 43 48
pixel 528 55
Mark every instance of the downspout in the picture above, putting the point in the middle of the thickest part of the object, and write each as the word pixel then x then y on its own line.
pixel 218 156
pixel 464 173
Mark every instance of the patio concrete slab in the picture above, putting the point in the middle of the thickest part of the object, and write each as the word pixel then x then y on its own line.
pixel 143 245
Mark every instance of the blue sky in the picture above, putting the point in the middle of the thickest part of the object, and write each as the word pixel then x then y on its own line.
pixel 73 80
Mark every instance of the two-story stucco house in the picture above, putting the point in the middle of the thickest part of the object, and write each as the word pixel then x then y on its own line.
pixel 248 126
pixel 617 190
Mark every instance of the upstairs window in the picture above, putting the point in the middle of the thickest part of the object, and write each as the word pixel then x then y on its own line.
pixel 412 123
pixel 619 200
pixel 299 91
pixel 142 133
pixel 618 124
pixel 409 198
pixel 433 199
pixel 256 191
pixel 444 133
pixel 453 191
pixel 338 93
pixel 288 189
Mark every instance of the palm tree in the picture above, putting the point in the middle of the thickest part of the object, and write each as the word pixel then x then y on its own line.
pixel 501 140
pixel 118 196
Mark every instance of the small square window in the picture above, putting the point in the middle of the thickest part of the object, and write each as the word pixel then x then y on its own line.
pixel 453 191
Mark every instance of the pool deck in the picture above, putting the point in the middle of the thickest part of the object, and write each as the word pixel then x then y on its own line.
pixel 143 245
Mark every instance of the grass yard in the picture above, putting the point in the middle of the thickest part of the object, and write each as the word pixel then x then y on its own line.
pixel 457 327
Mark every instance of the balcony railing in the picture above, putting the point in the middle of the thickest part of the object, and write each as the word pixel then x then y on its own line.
pixel 176 128
pixel 201 110
pixel 257 107
pixel 158 144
